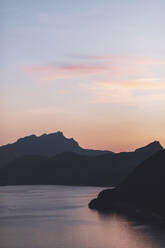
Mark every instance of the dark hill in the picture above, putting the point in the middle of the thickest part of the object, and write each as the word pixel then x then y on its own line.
pixel 73 169
pixel 45 145
pixel 144 189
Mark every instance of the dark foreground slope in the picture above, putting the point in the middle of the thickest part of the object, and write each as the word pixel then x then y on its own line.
pixel 143 189
pixel 74 169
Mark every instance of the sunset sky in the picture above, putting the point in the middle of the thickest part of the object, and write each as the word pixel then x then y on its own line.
pixel 92 69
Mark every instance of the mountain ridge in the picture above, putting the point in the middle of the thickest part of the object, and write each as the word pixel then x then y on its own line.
pixel 45 144
pixel 71 167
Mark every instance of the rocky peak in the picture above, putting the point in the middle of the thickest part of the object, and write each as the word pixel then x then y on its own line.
pixel 153 147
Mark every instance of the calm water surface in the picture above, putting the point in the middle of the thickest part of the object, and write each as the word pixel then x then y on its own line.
pixel 58 217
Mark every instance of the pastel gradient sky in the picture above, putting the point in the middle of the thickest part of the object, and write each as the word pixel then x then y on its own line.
pixel 92 69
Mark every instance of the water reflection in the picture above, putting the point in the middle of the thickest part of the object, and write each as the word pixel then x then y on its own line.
pixel 58 217
pixel 122 233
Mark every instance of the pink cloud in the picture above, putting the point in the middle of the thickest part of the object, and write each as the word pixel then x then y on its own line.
pixel 110 67
pixel 49 73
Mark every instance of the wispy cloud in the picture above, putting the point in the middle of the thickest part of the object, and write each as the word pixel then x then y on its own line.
pixel 53 72
pixel 143 84
pixel 136 93
pixel 109 67
pixel 109 79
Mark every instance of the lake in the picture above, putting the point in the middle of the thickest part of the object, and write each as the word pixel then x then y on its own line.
pixel 58 217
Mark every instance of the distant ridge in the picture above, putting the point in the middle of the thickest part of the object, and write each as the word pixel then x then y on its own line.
pixel 155 146
pixel 46 145
pixel 54 159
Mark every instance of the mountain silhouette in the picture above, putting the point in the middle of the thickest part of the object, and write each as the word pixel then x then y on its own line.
pixel 80 167
pixel 45 145
pixel 143 189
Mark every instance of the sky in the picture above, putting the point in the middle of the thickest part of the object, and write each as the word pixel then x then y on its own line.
pixel 92 69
